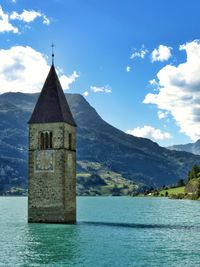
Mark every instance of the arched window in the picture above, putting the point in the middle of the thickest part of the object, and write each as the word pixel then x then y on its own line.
pixel 41 140
pixel 51 140
pixel 46 140
pixel 70 141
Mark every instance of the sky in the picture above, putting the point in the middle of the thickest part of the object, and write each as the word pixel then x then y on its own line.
pixel 137 62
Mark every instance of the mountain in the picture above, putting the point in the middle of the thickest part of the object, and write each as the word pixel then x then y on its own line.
pixel 109 161
pixel 190 147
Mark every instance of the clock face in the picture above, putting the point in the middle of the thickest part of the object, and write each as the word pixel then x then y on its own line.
pixel 44 160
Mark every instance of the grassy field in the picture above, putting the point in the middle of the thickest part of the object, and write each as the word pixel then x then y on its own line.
pixel 97 179
pixel 173 191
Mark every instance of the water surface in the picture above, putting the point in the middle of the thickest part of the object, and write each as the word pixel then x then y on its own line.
pixel 111 231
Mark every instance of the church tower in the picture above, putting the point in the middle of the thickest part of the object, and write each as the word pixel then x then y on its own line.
pixel 52 157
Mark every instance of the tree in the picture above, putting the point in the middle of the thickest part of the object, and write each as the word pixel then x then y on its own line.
pixel 180 182
pixel 194 173
pixel 115 190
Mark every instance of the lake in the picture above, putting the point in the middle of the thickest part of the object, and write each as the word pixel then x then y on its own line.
pixel 111 231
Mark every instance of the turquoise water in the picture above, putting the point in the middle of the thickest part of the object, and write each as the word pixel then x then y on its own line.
pixel 111 231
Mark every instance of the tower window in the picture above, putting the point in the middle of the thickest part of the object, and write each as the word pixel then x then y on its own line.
pixel 41 140
pixel 70 141
pixel 50 140
pixel 46 140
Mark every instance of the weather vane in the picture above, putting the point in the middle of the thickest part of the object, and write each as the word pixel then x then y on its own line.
pixel 52 46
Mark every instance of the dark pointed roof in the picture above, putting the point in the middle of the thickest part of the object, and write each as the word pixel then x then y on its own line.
pixel 52 105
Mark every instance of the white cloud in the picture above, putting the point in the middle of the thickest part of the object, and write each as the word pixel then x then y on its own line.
pixel 29 16
pixel 153 82
pixel 86 93
pixel 141 53
pixel 162 114
pixel 14 1
pixel 162 53
pixel 5 25
pixel 23 69
pixel 102 89
pixel 179 91
pixel 67 80
pixel 128 68
pixel 46 20
pixel 148 131
pixel 26 16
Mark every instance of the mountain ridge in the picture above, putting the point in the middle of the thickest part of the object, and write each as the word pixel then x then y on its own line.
pixel 133 159
pixel 193 148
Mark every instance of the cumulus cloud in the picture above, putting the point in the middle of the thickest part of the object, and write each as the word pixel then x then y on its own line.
pixel 26 17
pixel 162 114
pixel 141 53
pixel 5 25
pixel 128 68
pixel 23 69
pixel 102 89
pixel 150 132
pixel 162 53
pixel 29 16
pixel 86 93
pixel 67 80
pixel 179 91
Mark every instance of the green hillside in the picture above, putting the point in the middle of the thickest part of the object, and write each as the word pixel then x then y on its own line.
pixel 126 159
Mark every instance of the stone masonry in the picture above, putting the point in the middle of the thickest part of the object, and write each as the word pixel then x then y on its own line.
pixel 52 193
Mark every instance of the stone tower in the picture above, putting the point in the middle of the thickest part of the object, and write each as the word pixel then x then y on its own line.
pixel 52 157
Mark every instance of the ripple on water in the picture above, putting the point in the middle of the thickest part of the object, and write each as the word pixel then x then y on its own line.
pixel 111 231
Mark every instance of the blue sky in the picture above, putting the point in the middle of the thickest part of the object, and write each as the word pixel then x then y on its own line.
pixel 110 51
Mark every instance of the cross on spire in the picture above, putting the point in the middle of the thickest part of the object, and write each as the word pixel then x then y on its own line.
pixel 52 47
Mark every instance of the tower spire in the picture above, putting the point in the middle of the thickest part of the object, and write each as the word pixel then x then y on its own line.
pixel 52 47
pixel 52 105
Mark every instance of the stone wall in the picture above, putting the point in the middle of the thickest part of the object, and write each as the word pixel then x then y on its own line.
pixel 52 194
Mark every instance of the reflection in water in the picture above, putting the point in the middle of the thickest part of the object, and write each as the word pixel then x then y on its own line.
pixel 143 226
pixel 50 244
